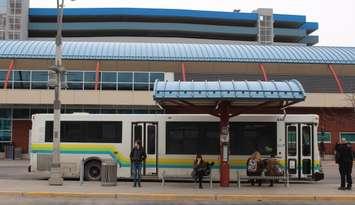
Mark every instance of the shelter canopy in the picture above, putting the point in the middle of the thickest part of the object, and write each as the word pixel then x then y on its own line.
pixel 241 96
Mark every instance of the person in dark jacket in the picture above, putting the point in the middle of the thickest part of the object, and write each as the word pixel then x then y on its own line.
pixel 199 168
pixel 137 156
pixel 344 158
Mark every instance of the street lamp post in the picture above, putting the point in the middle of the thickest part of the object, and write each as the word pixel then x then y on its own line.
pixel 56 177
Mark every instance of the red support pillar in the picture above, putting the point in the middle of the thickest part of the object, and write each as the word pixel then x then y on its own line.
pixel 8 74
pixel 224 143
pixel 336 78
pixel 183 72
pixel 262 69
pixel 97 76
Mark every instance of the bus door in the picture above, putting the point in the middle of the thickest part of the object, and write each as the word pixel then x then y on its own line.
pixel 299 150
pixel 147 133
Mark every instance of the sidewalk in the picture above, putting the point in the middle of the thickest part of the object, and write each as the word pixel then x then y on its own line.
pixel 174 191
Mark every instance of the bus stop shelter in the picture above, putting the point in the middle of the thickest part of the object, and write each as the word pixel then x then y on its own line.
pixel 226 99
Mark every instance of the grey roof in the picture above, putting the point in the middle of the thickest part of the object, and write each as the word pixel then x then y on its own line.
pixel 291 90
pixel 180 52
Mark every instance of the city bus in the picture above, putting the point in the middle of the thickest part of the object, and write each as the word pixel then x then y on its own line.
pixel 172 141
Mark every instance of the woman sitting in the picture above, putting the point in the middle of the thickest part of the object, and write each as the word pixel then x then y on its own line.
pixel 201 169
pixel 254 167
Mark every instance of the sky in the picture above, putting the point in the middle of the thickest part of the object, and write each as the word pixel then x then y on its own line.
pixel 336 18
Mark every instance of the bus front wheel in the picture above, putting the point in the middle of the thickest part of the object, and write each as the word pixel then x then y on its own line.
pixel 93 170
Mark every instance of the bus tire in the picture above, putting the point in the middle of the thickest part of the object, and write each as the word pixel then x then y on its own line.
pixel 92 171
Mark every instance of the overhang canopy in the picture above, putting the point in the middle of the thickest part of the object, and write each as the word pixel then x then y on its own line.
pixel 179 52
pixel 242 96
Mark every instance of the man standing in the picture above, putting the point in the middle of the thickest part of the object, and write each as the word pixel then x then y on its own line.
pixel 344 157
pixel 137 156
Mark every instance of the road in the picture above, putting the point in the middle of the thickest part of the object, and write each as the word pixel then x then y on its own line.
pixel 56 201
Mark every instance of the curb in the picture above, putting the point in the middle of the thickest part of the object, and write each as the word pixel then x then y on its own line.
pixel 179 197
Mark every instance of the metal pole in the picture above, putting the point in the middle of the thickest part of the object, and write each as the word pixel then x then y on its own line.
pixel 56 177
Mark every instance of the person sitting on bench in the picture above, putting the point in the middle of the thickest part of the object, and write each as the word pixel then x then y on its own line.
pixel 254 167
pixel 201 169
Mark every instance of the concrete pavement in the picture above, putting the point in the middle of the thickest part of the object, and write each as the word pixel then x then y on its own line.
pixel 13 173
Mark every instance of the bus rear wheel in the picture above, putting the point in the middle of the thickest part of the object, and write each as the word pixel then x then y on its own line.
pixel 92 170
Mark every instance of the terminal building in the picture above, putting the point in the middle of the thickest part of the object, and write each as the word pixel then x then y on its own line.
pixel 113 56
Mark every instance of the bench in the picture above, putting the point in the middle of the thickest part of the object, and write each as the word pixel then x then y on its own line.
pixel 284 177
pixel 163 177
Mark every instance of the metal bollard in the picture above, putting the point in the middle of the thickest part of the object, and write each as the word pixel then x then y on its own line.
pixel 238 178
pixel 82 171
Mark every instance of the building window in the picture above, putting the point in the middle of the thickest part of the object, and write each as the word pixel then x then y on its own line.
pixel 325 137
pixel 21 79
pixel 39 80
pixel 141 81
pixel 192 138
pixel 348 136
pixel 125 81
pixel 89 80
pixel 75 80
pixel 84 80
pixel 87 131
pixel 5 125
pixel 109 80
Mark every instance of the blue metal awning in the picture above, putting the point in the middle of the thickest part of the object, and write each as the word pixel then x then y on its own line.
pixel 241 94
pixel 179 52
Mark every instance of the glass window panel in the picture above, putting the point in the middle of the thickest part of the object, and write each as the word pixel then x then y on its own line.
pixel 248 137
pixel 125 86
pixel 108 86
pixel 141 77
pixel 22 85
pixel 156 76
pixel 1 84
pixel 5 136
pixel 5 124
pixel 292 140
pixel 21 113
pixel 109 77
pixel 89 86
pixel 125 77
pixel 40 76
pixel 306 141
pixel 38 111
pixel 93 111
pixel 75 86
pixel 190 138
pixel 3 75
pixel 141 86
pixel 75 76
pixel 5 113
pixel 39 85
pixel 72 110
pixel 108 111
pixel 21 76
pixel 90 77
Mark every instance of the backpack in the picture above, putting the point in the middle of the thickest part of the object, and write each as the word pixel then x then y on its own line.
pixel 252 165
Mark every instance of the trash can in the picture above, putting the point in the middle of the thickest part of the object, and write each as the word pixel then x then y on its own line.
pixel 18 153
pixel 108 173
pixel 9 151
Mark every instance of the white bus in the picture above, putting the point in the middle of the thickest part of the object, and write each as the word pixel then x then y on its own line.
pixel 171 142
